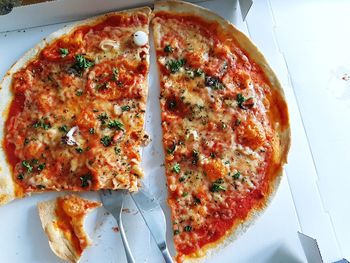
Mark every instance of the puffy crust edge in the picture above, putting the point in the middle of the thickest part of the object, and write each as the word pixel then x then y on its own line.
pixel 284 135
pixel 57 240
pixel 58 243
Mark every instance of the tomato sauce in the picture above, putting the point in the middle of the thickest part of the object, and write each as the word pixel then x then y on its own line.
pixel 220 220
pixel 16 107
pixel 64 222
pixel 53 93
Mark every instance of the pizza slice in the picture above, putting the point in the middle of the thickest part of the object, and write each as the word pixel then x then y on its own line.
pixel 225 126
pixel 63 221
pixel 73 108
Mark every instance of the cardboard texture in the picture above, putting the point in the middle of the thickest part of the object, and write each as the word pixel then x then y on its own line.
pixel 318 64
pixel 273 238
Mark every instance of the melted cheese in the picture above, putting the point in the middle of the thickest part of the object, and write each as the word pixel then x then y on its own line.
pixel 81 126
pixel 214 119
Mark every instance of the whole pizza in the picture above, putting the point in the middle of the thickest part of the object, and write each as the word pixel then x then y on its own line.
pixel 73 115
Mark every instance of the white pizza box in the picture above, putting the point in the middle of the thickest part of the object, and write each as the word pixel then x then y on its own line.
pixel 273 238
pixel 318 163
pixel 318 63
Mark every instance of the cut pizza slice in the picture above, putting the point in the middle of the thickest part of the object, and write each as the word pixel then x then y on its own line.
pixel 225 126
pixel 73 108
pixel 63 221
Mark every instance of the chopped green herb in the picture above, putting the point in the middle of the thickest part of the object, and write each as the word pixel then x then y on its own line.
pixel 168 49
pixel 119 83
pixel 236 175
pixel 115 72
pixel 117 150
pixel 172 104
pixel 240 99
pixel 182 178
pixel 244 103
pixel 216 186
pixel 41 167
pixel 40 186
pixel 175 65
pixel 196 200
pixel 20 176
pixel 106 140
pixel 212 155
pixel 172 149
pixel 92 131
pixel 125 108
pixel 64 52
pixel 103 117
pixel 195 157
pixel 82 62
pixel 176 232
pixel 219 181
pixel 184 194
pixel 190 74
pixel 102 86
pixel 214 83
pixel 26 141
pixel 79 93
pixel 42 124
pixel 198 72
pixel 79 150
pixel 176 168
pixel 188 228
pixel 85 180
pixel 63 128
pixel 115 124
pixel 46 126
pixel 26 164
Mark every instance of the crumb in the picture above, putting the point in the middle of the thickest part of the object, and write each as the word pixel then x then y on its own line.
pixel 346 77
pixel 115 229
pixel 126 210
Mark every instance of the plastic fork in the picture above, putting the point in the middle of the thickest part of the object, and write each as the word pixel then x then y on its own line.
pixel 113 203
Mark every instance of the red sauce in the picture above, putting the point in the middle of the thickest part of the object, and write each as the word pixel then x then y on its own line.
pixel 16 107
pixel 221 220
pixel 64 222
pixel 79 108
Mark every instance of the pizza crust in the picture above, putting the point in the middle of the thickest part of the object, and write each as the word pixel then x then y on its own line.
pixel 57 240
pixel 282 142
pixel 59 245
pixel 8 191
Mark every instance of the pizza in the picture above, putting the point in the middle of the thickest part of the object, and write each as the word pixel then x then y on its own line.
pixel 73 109
pixel 73 115
pixel 225 126
pixel 63 221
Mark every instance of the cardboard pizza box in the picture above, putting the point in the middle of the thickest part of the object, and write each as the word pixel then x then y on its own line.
pixel 273 238
pixel 313 215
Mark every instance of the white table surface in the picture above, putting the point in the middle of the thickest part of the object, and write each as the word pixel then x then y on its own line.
pixel 314 39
